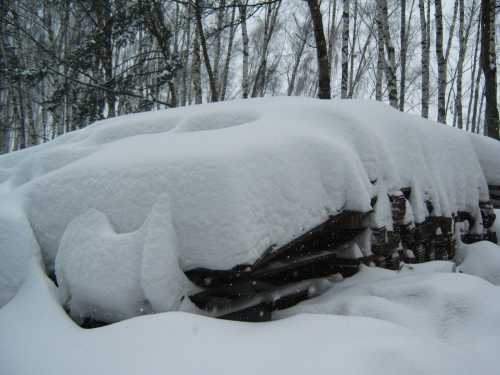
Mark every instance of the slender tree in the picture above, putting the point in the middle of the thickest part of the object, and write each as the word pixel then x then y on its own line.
pixel 390 66
pixel 345 48
pixel 402 82
pixel 244 36
pixel 489 65
pixel 321 51
pixel 441 62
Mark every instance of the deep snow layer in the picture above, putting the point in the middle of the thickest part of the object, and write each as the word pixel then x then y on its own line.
pixel 411 322
pixel 230 179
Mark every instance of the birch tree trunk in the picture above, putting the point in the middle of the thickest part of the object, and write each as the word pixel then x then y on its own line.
pixel 345 49
pixel 332 33
pixel 441 62
pixel 196 71
pixel 390 66
pixel 187 36
pixel 475 81
pixel 380 54
pixel 402 82
pixel 218 42
pixel 244 36
pixel 225 73
pixel 460 67
pixel 353 48
pixel 425 54
pixel 489 65
pixel 322 52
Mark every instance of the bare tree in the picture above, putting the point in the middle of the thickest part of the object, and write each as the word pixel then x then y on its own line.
pixel 390 66
pixel 321 51
pixel 441 63
pixel 345 48
pixel 425 55
pixel 198 11
pixel 489 65
pixel 402 82
pixel 244 35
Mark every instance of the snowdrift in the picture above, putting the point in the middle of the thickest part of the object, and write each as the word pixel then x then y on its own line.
pixel 389 323
pixel 125 202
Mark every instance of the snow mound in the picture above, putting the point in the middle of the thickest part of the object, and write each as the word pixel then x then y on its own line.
pixel 451 307
pixel 180 343
pixel 239 177
pixel 18 247
pixel 480 259
pixel 113 276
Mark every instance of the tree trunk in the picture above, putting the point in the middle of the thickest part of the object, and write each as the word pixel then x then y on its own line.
pixel 332 34
pixel 488 63
pixel 218 42
pixel 380 54
pixel 244 36
pixel 402 82
pixel 460 67
pixel 203 43
pixel 321 51
pixel 196 71
pixel 425 55
pixel 225 73
pixel 353 48
pixel 473 79
pixel 441 63
pixel 345 49
pixel 390 71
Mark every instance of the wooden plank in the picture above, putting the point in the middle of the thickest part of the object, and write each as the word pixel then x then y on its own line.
pixel 308 266
pixel 494 188
pixel 258 313
pixel 335 231
pixel 495 203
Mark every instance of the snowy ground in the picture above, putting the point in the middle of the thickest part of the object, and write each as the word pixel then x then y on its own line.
pixel 424 319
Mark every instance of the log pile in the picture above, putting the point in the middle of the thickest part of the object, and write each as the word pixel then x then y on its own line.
pixel 300 269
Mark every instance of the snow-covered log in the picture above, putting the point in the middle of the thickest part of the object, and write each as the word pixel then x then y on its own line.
pixel 223 187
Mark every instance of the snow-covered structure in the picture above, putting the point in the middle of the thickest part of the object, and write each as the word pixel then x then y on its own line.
pixel 117 210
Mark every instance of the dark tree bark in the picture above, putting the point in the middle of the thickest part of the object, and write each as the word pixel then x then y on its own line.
pixel 460 67
pixel 488 63
pixel 402 82
pixel 441 61
pixel 345 48
pixel 321 50
pixel 198 9
pixel 425 55
pixel 390 65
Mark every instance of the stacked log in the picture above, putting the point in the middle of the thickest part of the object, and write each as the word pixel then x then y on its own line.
pixel 300 269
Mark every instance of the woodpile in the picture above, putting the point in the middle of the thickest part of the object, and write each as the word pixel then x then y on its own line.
pixel 336 248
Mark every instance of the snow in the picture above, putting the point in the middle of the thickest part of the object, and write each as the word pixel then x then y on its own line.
pixel 487 150
pixel 145 278
pixel 225 181
pixel 411 322
pixel 457 309
pixel 480 259
pixel 18 246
